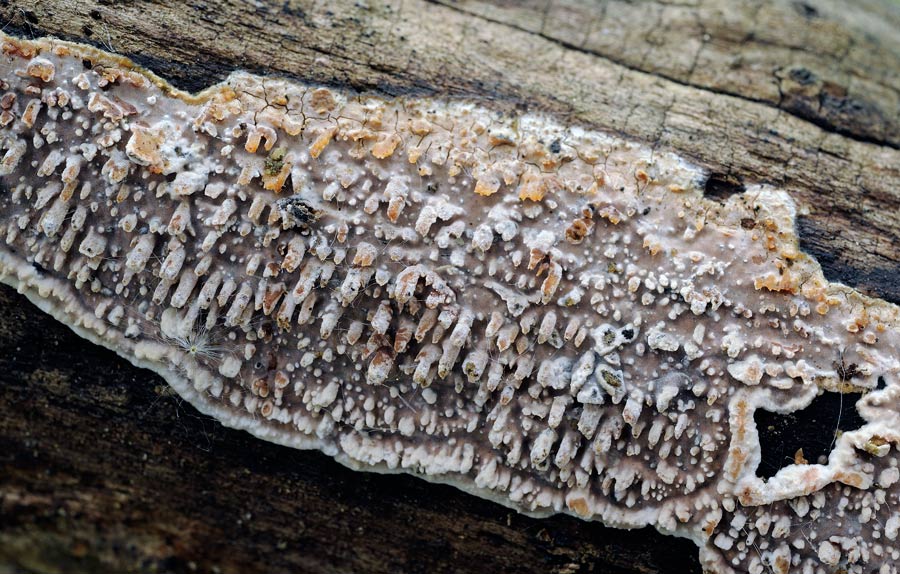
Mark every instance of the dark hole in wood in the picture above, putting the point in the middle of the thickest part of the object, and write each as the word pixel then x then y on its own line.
pixel 803 76
pixel 722 186
pixel 811 429
pixel 806 10
pixel 816 238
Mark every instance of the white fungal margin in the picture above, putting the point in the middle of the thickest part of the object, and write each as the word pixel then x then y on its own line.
pixel 542 315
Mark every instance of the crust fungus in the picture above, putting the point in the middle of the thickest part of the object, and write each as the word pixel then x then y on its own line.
pixel 542 315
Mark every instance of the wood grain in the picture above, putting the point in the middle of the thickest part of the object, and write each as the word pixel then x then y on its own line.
pixel 101 469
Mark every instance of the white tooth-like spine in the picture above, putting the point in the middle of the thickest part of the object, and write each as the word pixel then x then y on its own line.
pixel 491 299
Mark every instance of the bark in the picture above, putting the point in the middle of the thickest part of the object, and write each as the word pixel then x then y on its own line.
pixel 102 469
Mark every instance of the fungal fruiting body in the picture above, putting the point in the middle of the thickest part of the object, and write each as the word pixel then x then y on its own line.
pixel 542 315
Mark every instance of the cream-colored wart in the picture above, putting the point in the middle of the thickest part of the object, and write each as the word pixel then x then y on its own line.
pixel 543 315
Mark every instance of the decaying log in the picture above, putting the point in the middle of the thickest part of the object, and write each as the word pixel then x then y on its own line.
pixel 104 470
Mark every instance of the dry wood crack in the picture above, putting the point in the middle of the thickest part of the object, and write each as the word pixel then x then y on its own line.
pixel 364 346
pixel 543 315
pixel 864 122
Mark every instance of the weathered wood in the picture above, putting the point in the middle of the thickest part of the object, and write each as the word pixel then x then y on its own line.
pixel 845 179
pixel 102 469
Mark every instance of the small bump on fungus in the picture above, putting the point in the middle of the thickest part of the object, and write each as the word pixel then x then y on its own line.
pixel 557 320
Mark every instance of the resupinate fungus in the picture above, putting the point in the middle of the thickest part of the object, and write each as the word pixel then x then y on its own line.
pixel 540 314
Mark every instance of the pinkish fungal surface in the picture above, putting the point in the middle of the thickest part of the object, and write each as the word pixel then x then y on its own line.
pixel 540 314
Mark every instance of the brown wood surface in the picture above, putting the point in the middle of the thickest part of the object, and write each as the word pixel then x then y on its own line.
pixel 103 470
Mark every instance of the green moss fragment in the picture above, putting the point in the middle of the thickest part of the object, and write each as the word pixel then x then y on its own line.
pixel 275 161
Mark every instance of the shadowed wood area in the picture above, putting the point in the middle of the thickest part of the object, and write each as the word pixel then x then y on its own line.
pixel 103 469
